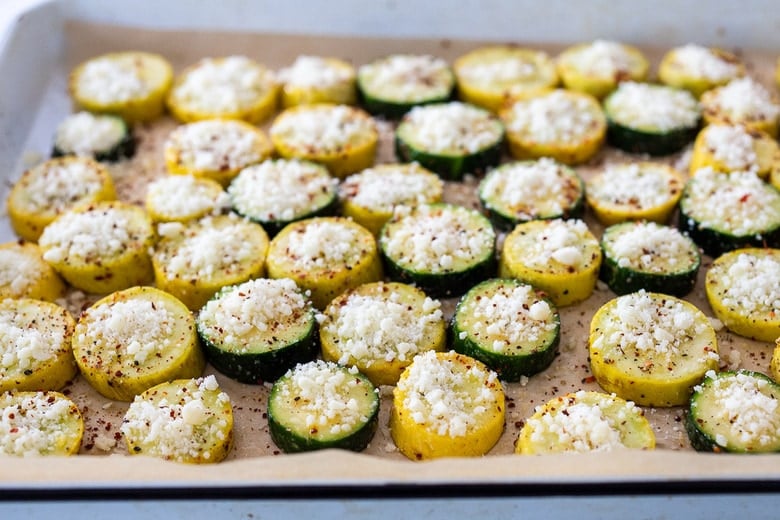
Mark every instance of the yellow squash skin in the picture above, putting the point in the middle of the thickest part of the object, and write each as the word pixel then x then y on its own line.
pixel 421 442
pixel 327 281
pixel 774 364
pixel 766 149
pixel 26 275
pixel 762 324
pixel 594 83
pixel 713 113
pixel 114 373
pixel 152 69
pixel 673 73
pixel 341 92
pixel 64 438
pixel 51 321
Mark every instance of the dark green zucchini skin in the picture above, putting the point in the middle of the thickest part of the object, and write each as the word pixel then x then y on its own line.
pixel 377 106
pixel 450 167
pixel 291 441
pixel 508 367
pixel 637 141
pixel 256 368
pixel 623 280
pixel 273 227
pixel 715 242
pixel 124 149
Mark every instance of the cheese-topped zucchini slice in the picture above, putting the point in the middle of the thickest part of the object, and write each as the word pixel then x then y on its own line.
pixel 651 119
pixel 393 85
pixel 215 149
pixel 488 76
pixel 320 405
pixel 379 327
pixel 100 136
pixel 193 262
pixel 53 187
pixel 134 339
pixel 231 87
pixel 634 191
pixel 560 257
pixel 181 198
pixel 340 137
pixel 324 255
pixel 743 101
pixel 567 126
pixel 131 85
pixel 735 412
pixel 743 288
pixel 451 139
pixel 256 331
pixel 100 248
pixel 314 79
pixel 583 422
pixel 446 405
pixel 34 424
pixel 735 148
pixel 698 69
pixel 724 212
pixel 651 348
pixel 597 67
pixel 35 345
pixel 649 256
pixel 508 325
pixel 529 190
pixel 442 248
pixel 186 420
pixel 277 192
pixel 24 273
pixel 372 196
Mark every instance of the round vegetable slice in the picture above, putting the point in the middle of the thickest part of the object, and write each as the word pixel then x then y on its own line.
pixel 314 79
pixel 39 423
pixel 24 273
pixel 597 68
pixel 698 69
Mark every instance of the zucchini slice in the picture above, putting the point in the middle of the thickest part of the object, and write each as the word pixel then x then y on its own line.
pixel 24 273
pixel 743 288
pixel 186 420
pixel 194 262
pixel 393 85
pixel 743 101
pixel 372 196
pixel 651 119
pixel 215 149
pixel 36 424
pixel 488 76
pixel 584 422
pixel 725 212
pixel 339 137
pixel 181 198
pixel 447 405
pixel 529 190
pixel 134 339
pixel 277 192
pixel 102 137
pixel 560 257
pixel 100 248
pixel 451 139
pixel 567 126
pixel 314 79
pixel 645 255
pixel 231 87
pixel 597 67
pixel 379 327
pixel 441 248
pixel 322 405
pixel 131 85
pixel 634 191
pixel 735 148
pixel 651 348
pixel 35 345
pixel 324 255
pixel 256 331
pixel 698 69
pixel 53 187
pixel 509 326
pixel 735 412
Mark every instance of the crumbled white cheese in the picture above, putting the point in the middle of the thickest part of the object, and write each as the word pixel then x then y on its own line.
pixel 560 241
pixel 183 196
pixel 653 107
pixel 314 71
pixel 406 78
pixel 108 80
pixel 325 244
pixel 751 284
pixel 385 187
pixel 451 128
pixel 28 338
pixel 85 134
pixel 216 145
pixel 33 425
pixel 653 248
pixel 745 99
pixel 59 184
pixel 18 271
pixel 281 190
pixel 558 116
pixel 703 62
pixel 637 186
pixel 502 69
pixel 602 58
pixel 323 129
pixel 731 146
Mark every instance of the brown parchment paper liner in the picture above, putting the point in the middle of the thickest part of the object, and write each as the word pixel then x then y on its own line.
pixel 255 459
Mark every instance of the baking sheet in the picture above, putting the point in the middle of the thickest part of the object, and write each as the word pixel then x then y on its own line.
pixel 254 458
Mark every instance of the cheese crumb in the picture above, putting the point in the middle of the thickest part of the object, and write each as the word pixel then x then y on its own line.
pixel 558 117
pixel 702 62
pixel 453 127
pixel 652 107
pixel 386 187
pixel 314 71
pixel 652 248
pixel 216 145
pixel 34 425
pixel 406 78
pixel 636 186
pixel 323 129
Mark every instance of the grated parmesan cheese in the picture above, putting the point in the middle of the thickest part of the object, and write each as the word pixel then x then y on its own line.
pixel 652 107
pixel 314 71
pixel 638 186
pixel 406 78
pixel 323 129
pixel 752 284
pixel 386 187
pixel 451 128
pixel 85 134
pixel 744 99
pixel 34 425
pixel 216 145
pixel 556 116
pixel 703 62
pixel 731 146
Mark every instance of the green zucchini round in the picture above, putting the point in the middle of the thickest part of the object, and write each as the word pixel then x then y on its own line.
pixel 120 145
pixel 509 326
